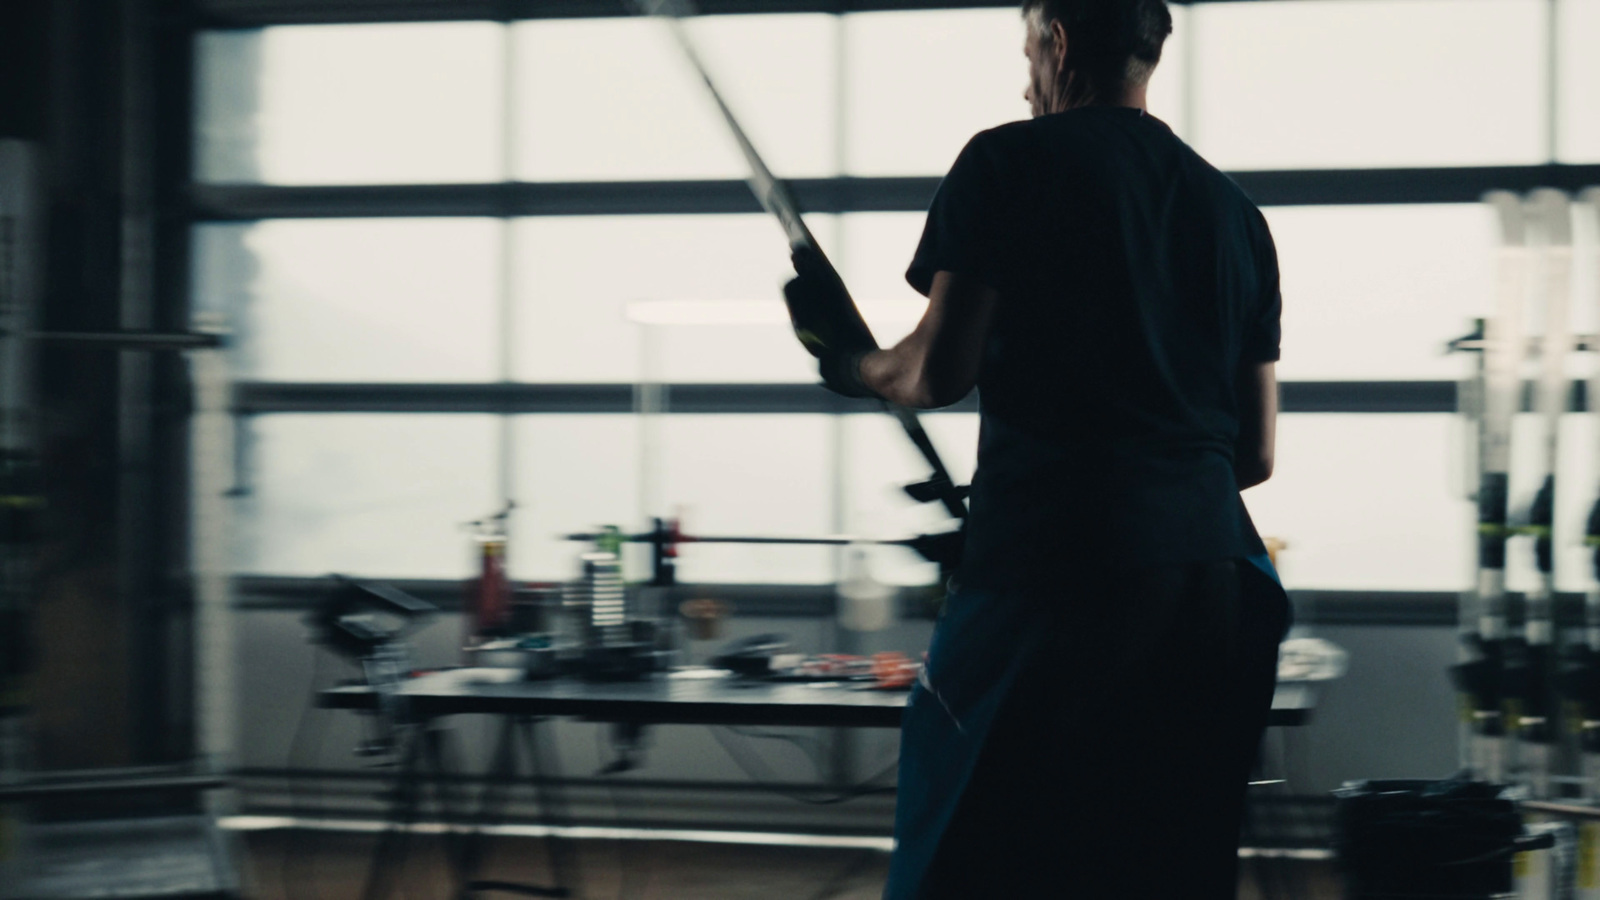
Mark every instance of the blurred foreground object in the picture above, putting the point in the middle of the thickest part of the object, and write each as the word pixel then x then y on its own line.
pixel 114 831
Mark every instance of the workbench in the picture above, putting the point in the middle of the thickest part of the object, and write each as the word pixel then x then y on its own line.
pixel 691 696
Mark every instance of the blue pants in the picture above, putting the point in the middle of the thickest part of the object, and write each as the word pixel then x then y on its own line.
pixel 1093 743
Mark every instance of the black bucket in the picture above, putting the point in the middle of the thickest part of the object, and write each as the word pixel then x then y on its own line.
pixel 1428 839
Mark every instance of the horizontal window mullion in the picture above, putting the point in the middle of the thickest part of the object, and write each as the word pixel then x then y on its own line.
pixel 256 398
pixel 1385 608
pixel 236 202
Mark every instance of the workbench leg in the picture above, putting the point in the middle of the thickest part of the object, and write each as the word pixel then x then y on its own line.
pixel 458 836
pixel 491 804
pixel 388 858
pixel 564 863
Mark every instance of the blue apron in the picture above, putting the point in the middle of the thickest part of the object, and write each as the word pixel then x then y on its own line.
pixel 986 637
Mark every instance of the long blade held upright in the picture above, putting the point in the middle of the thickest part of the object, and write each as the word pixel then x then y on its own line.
pixel 773 194
pixel 775 198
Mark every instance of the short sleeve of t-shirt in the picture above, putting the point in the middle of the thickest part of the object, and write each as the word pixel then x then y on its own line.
pixel 1263 329
pixel 963 233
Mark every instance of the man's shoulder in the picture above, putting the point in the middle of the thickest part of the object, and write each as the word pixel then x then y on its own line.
pixel 1000 141
pixel 1010 149
pixel 1083 135
pixel 1011 136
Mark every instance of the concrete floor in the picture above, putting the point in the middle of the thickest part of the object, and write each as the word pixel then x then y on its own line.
pixel 323 866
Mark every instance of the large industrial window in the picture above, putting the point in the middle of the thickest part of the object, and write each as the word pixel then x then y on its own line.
pixel 1578 81
pixel 357 300
pixel 367 104
pixel 1372 292
pixel 613 99
pixel 1371 83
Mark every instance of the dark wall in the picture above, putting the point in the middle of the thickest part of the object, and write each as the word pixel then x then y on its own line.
pixel 102 88
pixel 23 27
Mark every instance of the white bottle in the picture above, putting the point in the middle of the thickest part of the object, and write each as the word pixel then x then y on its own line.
pixel 865 603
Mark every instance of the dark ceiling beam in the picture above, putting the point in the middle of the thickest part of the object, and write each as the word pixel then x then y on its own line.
pixel 256 13
pixel 1313 187
pixel 251 13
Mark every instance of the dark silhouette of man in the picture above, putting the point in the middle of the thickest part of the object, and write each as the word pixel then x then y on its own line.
pixel 1101 674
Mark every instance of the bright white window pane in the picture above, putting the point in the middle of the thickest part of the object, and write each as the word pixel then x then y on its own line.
pixel 1166 93
pixel 879 462
pixel 763 475
pixel 601 99
pixel 352 104
pixel 1579 79
pixel 739 351
pixel 1336 83
pixel 1368 502
pixel 574 473
pixel 356 299
pixel 578 277
pixel 365 494
pixel 922 83
pixel 1375 292
pixel 876 249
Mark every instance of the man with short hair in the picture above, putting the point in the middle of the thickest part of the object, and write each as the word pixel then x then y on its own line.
pixel 1100 677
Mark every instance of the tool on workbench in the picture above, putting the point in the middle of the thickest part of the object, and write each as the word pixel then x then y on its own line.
pixel 368 622
pixel 489 594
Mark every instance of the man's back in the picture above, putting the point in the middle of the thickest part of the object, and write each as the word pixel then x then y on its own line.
pixel 1135 281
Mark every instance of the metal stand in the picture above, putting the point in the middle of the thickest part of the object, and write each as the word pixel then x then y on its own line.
pixel 425 760
pixel 424 755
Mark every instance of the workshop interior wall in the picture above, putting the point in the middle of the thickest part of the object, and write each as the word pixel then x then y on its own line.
pixel 1366 501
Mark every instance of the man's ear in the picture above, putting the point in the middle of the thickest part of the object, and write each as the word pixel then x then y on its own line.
pixel 1058 45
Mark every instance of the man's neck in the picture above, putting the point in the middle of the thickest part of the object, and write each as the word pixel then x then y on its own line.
pixel 1135 97
pixel 1132 98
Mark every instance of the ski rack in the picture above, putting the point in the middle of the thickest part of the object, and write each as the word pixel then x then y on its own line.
pixel 1531 696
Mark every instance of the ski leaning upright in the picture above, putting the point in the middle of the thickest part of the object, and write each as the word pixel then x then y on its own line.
pixel 1530 705
pixel 1480 675
pixel 1581 665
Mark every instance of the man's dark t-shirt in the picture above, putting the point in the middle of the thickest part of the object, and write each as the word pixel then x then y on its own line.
pixel 1135 282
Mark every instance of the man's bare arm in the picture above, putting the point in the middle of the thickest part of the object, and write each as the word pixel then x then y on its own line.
pixel 937 363
pixel 1258 422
